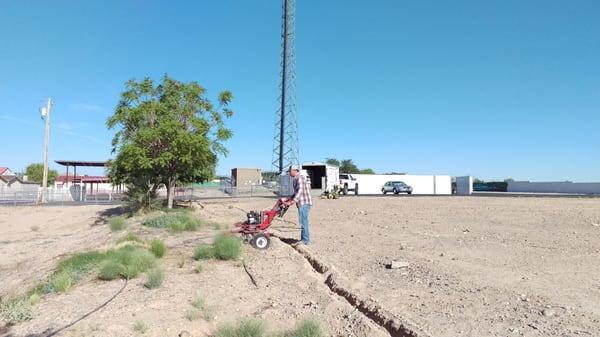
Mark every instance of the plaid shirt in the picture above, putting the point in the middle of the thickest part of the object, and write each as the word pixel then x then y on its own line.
pixel 302 191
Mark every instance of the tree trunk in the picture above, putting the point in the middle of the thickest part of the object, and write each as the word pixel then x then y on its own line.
pixel 170 193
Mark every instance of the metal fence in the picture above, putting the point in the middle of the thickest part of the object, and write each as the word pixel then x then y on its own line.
pixel 224 191
pixel 60 197
pixel 79 196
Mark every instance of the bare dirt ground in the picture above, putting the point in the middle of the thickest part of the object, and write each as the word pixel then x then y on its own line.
pixel 478 266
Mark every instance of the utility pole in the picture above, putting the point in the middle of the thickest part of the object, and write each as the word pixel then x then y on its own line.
pixel 45 111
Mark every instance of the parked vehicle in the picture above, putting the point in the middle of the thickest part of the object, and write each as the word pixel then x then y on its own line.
pixel 348 183
pixel 396 187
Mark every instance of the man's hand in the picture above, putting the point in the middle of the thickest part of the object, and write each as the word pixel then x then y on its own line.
pixel 290 202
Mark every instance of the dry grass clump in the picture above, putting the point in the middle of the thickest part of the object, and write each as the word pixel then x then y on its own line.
pixel 175 222
pixel 246 328
pixel 15 310
pixel 224 247
pixel 227 247
pixel 155 277
pixel 256 328
pixel 158 248
pixel 140 327
pixel 204 252
pixel 126 262
pixel 117 223
pixel 130 237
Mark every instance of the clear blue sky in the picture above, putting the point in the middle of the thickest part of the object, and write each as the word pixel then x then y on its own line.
pixel 494 89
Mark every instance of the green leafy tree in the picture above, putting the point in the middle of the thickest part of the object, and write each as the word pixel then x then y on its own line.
pixel 167 134
pixel 348 166
pixel 270 175
pixel 35 173
pixel 367 171
pixel 332 161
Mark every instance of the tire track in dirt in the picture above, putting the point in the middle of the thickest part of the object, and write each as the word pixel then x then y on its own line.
pixel 396 327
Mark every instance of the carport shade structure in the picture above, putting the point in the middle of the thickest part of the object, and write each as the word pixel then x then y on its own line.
pixel 76 163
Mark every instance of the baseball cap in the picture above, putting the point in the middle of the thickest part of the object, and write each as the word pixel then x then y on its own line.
pixel 294 168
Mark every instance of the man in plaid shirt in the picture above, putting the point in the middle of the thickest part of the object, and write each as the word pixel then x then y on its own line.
pixel 302 199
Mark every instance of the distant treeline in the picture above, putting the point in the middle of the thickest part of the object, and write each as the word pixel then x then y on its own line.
pixel 492 186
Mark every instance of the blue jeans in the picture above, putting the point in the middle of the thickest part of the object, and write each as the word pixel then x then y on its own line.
pixel 303 216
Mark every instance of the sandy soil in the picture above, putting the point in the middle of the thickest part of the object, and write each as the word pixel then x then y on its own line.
pixel 478 266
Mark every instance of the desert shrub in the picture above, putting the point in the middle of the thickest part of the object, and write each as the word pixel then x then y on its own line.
pixel 140 327
pixel 126 262
pixel 155 277
pixel 13 311
pixel 193 314
pixel 306 328
pixel 35 228
pixel 227 247
pixel 247 328
pixel 198 269
pixel 110 270
pixel 199 302
pixel 72 268
pixel 158 248
pixel 204 252
pixel 117 223
pixel 130 237
pixel 62 282
pixel 181 261
pixel 34 298
pixel 175 222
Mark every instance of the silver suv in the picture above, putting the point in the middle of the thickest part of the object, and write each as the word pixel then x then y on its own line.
pixel 396 187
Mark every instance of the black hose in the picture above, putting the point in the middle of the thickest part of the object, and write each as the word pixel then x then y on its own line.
pixel 53 333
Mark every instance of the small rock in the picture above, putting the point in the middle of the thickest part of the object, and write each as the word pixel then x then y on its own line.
pixel 184 334
pixel 548 312
pixel 441 254
pixel 398 264
pixel 596 224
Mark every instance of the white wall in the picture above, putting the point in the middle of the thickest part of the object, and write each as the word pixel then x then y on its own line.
pixel 554 187
pixel 421 184
pixel 464 185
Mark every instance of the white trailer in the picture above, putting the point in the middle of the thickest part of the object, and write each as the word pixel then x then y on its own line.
pixel 322 176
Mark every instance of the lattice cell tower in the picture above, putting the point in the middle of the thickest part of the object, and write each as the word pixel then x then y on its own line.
pixel 285 141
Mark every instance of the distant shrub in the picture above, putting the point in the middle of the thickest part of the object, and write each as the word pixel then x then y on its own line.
pixel 199 302
pixel 62 282
pixel 155 277
pixel 193 314
pixel 34 298
pixel 227 247
pixel 13 311
pixel 247 328
pixel 117 223
pixel 158 248
pixel 306 328
pixel 129 237
pixel 204 252
pixel 35 228
pixel 175 222
pixel 140 327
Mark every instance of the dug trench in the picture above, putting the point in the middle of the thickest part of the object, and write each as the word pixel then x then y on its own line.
pixel 395 326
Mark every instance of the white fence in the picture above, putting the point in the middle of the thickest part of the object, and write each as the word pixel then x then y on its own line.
pixel 421 184
pixel 553 187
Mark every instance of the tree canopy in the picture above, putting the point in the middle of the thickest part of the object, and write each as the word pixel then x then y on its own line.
pixel 167 133
pixel 348 166
pixel 35 173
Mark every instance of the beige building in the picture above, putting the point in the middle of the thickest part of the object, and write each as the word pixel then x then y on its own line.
pixel 11 183
pixel 241 177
